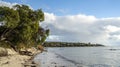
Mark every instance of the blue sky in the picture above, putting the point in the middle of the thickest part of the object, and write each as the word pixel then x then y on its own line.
pixel 98 8
pixel 95 21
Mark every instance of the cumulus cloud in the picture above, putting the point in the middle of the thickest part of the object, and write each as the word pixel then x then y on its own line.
pixel 8 4
pixel 111 28
pixel 83 28
pixel 2 3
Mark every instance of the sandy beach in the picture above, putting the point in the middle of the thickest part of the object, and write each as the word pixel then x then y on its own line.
pixel 13 59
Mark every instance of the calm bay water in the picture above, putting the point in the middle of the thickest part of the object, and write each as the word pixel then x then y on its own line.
pixel 80 57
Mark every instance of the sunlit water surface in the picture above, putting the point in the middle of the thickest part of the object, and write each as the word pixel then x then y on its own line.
pixel 80 57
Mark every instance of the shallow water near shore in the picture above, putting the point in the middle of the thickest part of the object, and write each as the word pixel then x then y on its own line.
pixel 80 57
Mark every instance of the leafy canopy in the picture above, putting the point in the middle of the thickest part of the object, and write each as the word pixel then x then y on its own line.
pixel 20 25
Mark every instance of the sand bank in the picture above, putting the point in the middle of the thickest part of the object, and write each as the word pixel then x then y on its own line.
pixel 13 59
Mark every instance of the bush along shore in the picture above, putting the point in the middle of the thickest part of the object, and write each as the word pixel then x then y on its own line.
pixel 11 58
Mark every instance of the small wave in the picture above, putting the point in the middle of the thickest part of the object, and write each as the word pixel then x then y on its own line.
pixel 71 61
pixel 100 65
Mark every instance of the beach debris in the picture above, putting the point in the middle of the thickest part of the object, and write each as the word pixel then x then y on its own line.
pixel 53 63
pixel 40 47
pixel 3 52
pixel 6 63
pixel 114 49
pixel 30 64
pixel 26 53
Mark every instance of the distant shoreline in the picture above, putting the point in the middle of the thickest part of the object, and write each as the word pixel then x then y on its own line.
pixel 70 44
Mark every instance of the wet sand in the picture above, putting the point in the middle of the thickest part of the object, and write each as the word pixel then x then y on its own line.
pixel 51 59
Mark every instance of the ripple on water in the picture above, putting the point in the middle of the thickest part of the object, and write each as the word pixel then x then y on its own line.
pixel 100 65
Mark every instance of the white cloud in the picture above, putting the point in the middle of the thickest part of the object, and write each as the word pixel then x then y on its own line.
pixel 111 28
pixel 54 38
pixel 2 3
pixel 49 18
pixel 8 4
pixel 81 28
pixel 84 28
pixel 116 37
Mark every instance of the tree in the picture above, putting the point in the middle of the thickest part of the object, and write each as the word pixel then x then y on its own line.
pixel 19 26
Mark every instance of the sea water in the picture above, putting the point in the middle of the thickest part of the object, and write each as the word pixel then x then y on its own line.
pixel 80 57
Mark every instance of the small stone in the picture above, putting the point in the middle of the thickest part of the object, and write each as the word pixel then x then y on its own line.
pixel 6 62
pixel 53 63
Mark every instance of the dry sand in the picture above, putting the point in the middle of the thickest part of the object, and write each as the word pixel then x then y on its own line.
pixel 13 59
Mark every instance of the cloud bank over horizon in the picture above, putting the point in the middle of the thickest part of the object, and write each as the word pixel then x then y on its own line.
pixel 83 28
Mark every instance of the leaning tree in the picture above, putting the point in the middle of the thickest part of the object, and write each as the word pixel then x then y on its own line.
pixel 20 26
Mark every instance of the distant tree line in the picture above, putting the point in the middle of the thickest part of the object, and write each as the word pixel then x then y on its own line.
pixel 69 44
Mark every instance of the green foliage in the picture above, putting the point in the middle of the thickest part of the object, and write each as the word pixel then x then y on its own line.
pixel 9 16
pixel 20 24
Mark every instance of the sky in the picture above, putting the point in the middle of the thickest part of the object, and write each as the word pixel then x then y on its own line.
pixel 95 21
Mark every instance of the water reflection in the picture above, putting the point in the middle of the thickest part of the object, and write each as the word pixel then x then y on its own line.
pixel 81 57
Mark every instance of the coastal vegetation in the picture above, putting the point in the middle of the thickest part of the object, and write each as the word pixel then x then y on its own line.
pixel 69 44
pixel 20 35
pixel 20 27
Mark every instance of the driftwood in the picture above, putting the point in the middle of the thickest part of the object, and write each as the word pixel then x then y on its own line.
pixel 30 63
pixel 25 53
